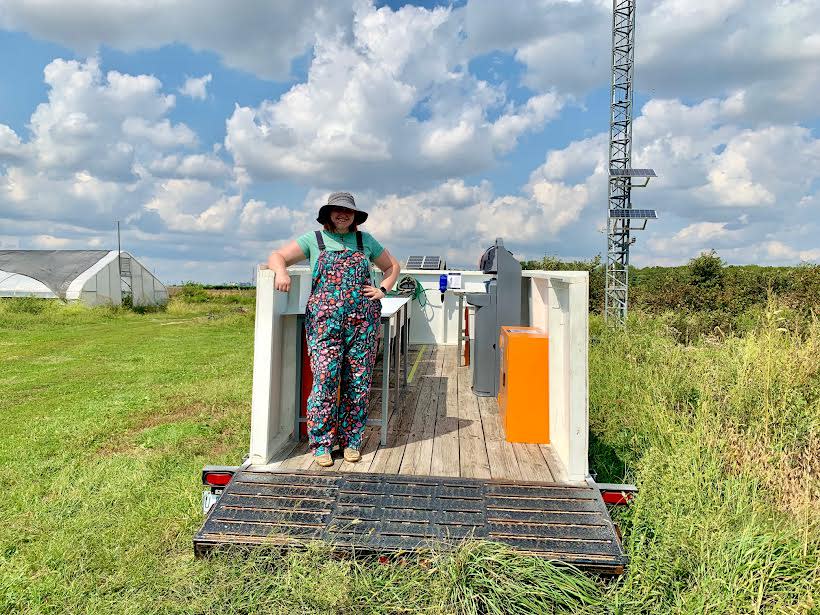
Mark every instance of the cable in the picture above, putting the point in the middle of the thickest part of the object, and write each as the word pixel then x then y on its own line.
pixel 409 286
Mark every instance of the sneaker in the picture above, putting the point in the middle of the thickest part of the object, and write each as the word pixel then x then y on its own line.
pixel 323 459
pixel 352 454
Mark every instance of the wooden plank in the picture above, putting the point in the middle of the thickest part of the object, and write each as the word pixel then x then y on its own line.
pixel 445 443
pixel 531 462
pixel 472 447
pixel 418 453
pixel 300 458
pixel 559 473
pixel 500 453
pixel 388 458
pixel 370 439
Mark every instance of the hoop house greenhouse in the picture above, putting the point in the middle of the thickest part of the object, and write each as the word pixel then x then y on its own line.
pixel 94 277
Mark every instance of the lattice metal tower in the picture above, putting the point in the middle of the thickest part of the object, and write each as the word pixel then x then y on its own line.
pixel 621 218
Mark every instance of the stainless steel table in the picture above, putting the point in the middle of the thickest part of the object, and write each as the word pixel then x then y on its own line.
pixel 395 320
pixel 395 326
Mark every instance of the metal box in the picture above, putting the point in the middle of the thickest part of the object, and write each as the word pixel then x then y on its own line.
pixel 523 393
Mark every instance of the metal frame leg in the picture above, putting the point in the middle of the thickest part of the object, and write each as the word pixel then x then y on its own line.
pixel 460 327
pixel 385 380
pixel 397 367
pixel 297 423
pixel 406 341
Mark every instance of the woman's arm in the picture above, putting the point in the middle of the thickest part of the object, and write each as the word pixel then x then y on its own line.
pixel 279 260
pixel 390 267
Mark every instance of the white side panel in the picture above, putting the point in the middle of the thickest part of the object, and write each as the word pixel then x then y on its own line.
pixel 266 410
pixel 578 362
pixel 560 300
pixel 287 393
pixel 539 301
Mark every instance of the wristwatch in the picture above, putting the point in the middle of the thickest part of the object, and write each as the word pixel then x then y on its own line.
pixel 383 289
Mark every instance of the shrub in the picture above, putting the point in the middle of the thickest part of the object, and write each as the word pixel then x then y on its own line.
pixel 191 292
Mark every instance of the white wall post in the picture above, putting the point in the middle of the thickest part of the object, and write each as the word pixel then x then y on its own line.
pixel 559 304
pixel 578 462
pixel 267 357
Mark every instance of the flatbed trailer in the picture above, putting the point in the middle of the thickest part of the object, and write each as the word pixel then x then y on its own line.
pixel 445 473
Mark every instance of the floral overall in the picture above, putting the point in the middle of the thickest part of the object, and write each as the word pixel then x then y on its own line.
pixel 341 324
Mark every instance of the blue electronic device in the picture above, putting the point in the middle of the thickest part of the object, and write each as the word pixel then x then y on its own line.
pixel 442 285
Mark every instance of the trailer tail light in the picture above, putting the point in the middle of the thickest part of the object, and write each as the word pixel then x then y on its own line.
pixel 218 476
pixel 617 495
pixel 217 479
pixel 611 497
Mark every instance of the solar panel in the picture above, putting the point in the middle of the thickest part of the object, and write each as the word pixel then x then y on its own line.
pixel 632 173
pixel 431 262
pixel 423 262
pixel 633 213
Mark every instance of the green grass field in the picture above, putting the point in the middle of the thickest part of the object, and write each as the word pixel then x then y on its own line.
pixel 109 415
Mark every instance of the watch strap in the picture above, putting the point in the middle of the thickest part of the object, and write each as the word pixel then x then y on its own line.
pixel 383 289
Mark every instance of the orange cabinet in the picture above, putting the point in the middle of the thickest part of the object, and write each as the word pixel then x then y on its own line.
pixel 523 385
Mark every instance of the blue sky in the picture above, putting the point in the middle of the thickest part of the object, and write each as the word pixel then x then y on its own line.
pixel 213 134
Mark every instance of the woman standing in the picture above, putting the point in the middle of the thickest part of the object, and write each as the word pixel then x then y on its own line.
pixel 341 321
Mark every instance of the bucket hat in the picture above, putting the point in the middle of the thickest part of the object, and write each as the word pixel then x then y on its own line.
pixel 341 199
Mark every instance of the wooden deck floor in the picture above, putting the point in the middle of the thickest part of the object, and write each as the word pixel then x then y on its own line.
pixel 441 429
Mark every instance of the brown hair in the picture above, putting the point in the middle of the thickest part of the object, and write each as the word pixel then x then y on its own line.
pixel 330 228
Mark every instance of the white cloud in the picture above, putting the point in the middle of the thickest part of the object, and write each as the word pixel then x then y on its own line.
pixel 179 203
pixel 765 52
pixel 10 146
pixel 162 135
pixel 196 87
pixel 720 185
pixel 193 166
pixel 262 221
pixel 258 36
pixel 103 149
pixel 100 124
pixel 389 103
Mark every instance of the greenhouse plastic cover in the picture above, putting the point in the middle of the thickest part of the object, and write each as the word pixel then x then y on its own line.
pixel 54 268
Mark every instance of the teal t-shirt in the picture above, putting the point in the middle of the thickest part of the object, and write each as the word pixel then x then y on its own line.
pixel 336 242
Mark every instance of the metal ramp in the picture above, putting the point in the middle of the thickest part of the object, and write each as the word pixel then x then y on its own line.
pixel 382 512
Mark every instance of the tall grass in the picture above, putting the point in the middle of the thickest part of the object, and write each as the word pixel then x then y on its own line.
pixel 721 437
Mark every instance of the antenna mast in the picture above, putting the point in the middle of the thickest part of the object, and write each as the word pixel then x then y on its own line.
pixel 620 215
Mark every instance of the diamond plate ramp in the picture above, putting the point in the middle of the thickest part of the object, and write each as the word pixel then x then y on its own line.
pixel 385 512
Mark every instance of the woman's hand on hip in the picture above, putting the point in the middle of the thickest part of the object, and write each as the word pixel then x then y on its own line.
pixel 373 293
pixel 282 282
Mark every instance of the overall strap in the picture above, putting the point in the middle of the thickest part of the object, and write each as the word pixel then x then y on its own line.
pixel 320 240
pixel 359 241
